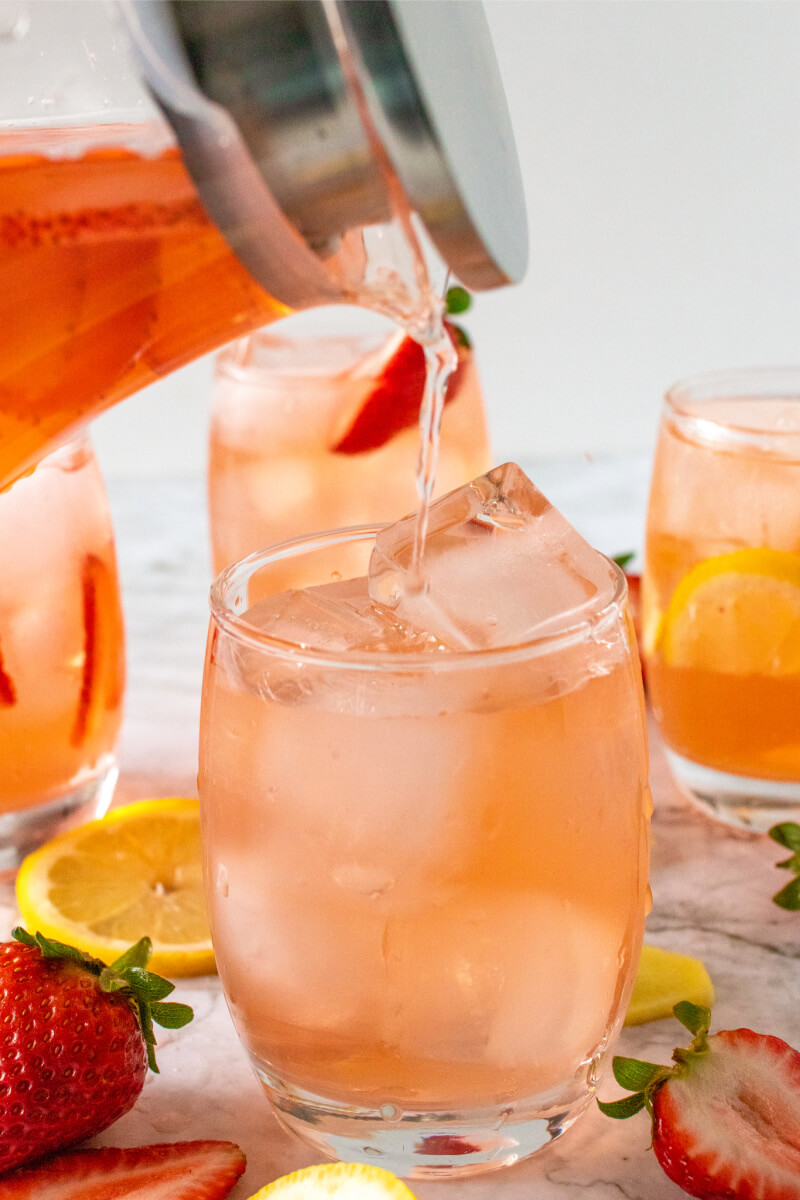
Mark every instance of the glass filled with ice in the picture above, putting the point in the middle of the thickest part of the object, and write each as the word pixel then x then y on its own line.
pixel 62 651
pixel 314 425
pixel 425 808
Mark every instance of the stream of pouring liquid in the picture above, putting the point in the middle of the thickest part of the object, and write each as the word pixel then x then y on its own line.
pixel 441 359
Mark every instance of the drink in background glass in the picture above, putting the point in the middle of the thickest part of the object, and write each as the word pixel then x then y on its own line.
pixel 721 592
pixel 425 827
pixel 314 425
pixel 62 654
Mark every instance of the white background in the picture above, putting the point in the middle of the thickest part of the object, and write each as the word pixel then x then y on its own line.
pixel 660 148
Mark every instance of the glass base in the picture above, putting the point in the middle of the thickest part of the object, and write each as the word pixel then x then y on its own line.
pixel 738 800
pixel 420 1145
pixel 23 831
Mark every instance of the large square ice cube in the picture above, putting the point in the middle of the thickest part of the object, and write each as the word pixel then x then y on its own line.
pixel 500 566
pixel 336 617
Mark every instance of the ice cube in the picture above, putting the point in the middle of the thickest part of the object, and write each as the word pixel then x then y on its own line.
pixel 513 980
pixel 336 617
pixel 500 566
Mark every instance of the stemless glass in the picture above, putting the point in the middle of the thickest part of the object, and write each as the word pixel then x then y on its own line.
pixel 62 651
pixel 426 872
pixel 280 462
pixel 721 592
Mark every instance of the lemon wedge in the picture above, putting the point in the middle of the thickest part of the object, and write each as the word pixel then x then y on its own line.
pixel 737 613
pixel 349 1181
pixel 135 873
pixel 664 979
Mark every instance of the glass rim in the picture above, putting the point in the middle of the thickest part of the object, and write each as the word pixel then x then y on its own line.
pixel 234 624
pixel 289 335
pixel 753 382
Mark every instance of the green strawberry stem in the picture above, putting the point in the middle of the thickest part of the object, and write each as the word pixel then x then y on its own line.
pixel 643 1079
pixel 787 834
pixel 128 975
pixel 624 560
pixel 458 300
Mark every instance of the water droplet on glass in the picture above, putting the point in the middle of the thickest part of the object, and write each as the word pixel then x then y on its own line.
pixel 388 1112
pixel 223 885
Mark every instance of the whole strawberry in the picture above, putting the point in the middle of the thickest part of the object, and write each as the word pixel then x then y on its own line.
pixel 76 1039
pixel 726 1116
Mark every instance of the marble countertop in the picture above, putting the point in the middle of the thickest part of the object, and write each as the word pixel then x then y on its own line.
pixel 711 886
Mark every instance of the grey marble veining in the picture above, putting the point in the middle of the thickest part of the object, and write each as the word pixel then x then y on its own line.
pixel 711 886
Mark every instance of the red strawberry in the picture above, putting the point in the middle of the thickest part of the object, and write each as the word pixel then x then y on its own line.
pixel 445 1143
pixel 8 694
pixel 177 1171
pixel 76 1041
pixel 726 1117
pixel 394 402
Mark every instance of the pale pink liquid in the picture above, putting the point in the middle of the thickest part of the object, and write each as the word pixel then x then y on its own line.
pixel 61 632
pixel 426 889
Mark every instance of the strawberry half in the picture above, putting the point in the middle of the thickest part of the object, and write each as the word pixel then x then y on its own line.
pixel 394 403
pixel 77 1044
pixel 726 1116
pixel 8 693
pixel 103 678
pixel 169 1171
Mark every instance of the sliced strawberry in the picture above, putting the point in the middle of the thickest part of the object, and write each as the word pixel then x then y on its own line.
pixel 103 663
pixel 8 693
pixel 394 402
pixel 726 1117
pixel 169 1171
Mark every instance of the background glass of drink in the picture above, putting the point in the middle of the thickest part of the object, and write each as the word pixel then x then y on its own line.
pixel 426 870
pixel 292 447
pixel 721 592
pixel 62 653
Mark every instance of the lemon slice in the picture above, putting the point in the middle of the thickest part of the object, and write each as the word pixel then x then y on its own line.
pixel 135 873
pixel 662 981
pixel 737 613
pixel 349 1181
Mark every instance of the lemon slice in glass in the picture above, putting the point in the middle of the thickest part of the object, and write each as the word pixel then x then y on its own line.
pixel 737 613
pixel 135 873
pixel 664 979
pixel 348 1181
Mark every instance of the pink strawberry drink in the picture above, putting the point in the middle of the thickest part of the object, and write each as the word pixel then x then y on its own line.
pixel 425 818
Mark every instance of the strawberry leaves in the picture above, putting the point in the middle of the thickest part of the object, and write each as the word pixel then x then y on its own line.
pixel 458 301
pixel 128 975
pixel 787 834
pixel 643 1079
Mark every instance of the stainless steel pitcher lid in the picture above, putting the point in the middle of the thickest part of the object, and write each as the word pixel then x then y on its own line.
pixel 337 101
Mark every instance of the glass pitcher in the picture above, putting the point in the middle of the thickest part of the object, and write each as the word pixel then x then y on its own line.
pixel 174 175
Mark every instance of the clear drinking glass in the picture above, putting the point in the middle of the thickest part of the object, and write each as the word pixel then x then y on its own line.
pixel 287 455
pixel 62 651
pixel 721 592
pixel 426 870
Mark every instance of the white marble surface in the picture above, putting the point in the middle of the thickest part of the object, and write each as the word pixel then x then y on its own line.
pixel 711 887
